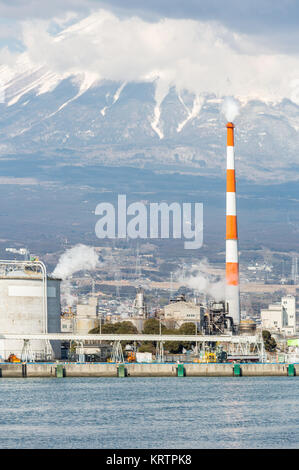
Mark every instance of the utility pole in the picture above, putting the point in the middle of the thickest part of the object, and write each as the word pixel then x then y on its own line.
pixel 137 264
pixel 171 287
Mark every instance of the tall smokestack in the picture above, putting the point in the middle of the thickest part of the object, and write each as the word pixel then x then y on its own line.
pixel 232 292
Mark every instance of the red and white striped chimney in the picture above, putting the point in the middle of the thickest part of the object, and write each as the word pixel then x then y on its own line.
pixel 232 292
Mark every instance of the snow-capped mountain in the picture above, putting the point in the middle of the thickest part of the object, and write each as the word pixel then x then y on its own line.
pixel 123 123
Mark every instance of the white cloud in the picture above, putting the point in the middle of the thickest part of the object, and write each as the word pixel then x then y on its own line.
pixel 201 57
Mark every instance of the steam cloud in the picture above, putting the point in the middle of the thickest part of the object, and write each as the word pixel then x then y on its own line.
pixel 230 108
pixel 67 297
pixel 199 279
pixel 80 257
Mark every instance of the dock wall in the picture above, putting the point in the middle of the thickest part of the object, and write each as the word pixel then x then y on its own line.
pixel 144 370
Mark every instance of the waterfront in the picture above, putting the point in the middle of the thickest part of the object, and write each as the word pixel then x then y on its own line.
pixel 150 413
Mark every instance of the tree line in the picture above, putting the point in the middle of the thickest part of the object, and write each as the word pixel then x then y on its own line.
pixel 151 327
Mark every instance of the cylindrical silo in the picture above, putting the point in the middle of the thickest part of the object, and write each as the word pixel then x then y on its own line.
pixel 86 318
pixel 26 309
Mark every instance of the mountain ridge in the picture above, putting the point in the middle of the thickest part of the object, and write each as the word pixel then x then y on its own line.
pixel 117 123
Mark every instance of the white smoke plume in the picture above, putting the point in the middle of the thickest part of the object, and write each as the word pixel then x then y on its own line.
pixel 201 280
pixel 67 297
pixel 80 257
pixel 230 108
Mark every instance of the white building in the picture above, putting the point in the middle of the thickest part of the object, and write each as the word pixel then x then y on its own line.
pixel 289 305
pixel 179 311
pixel 281 316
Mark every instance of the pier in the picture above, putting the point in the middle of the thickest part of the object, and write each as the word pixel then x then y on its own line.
pixel 127 370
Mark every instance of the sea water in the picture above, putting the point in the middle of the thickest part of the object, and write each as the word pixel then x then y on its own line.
pixel 150 413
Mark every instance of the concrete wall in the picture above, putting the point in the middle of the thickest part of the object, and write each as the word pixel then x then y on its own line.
pixel 151 370
pixel 91 370
pixel 142 370
pixel 209 370
pixel 41 370
pixel 255 370
pixel 11 370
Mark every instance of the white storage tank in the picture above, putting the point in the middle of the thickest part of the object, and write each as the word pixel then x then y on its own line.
pixel 25 309
pixel 87 318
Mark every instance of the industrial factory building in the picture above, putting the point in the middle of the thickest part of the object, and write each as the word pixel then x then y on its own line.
pixel 281 316
pixel 30 304
pixel 180 311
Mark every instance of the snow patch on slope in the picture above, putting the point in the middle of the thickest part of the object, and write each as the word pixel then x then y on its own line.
pixel 88 81
pixel 197 105
pixel 115 98
pixel 43 82
pixel 161 91
pixel 25 77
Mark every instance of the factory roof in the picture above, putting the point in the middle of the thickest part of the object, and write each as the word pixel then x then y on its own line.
pixel 32 277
